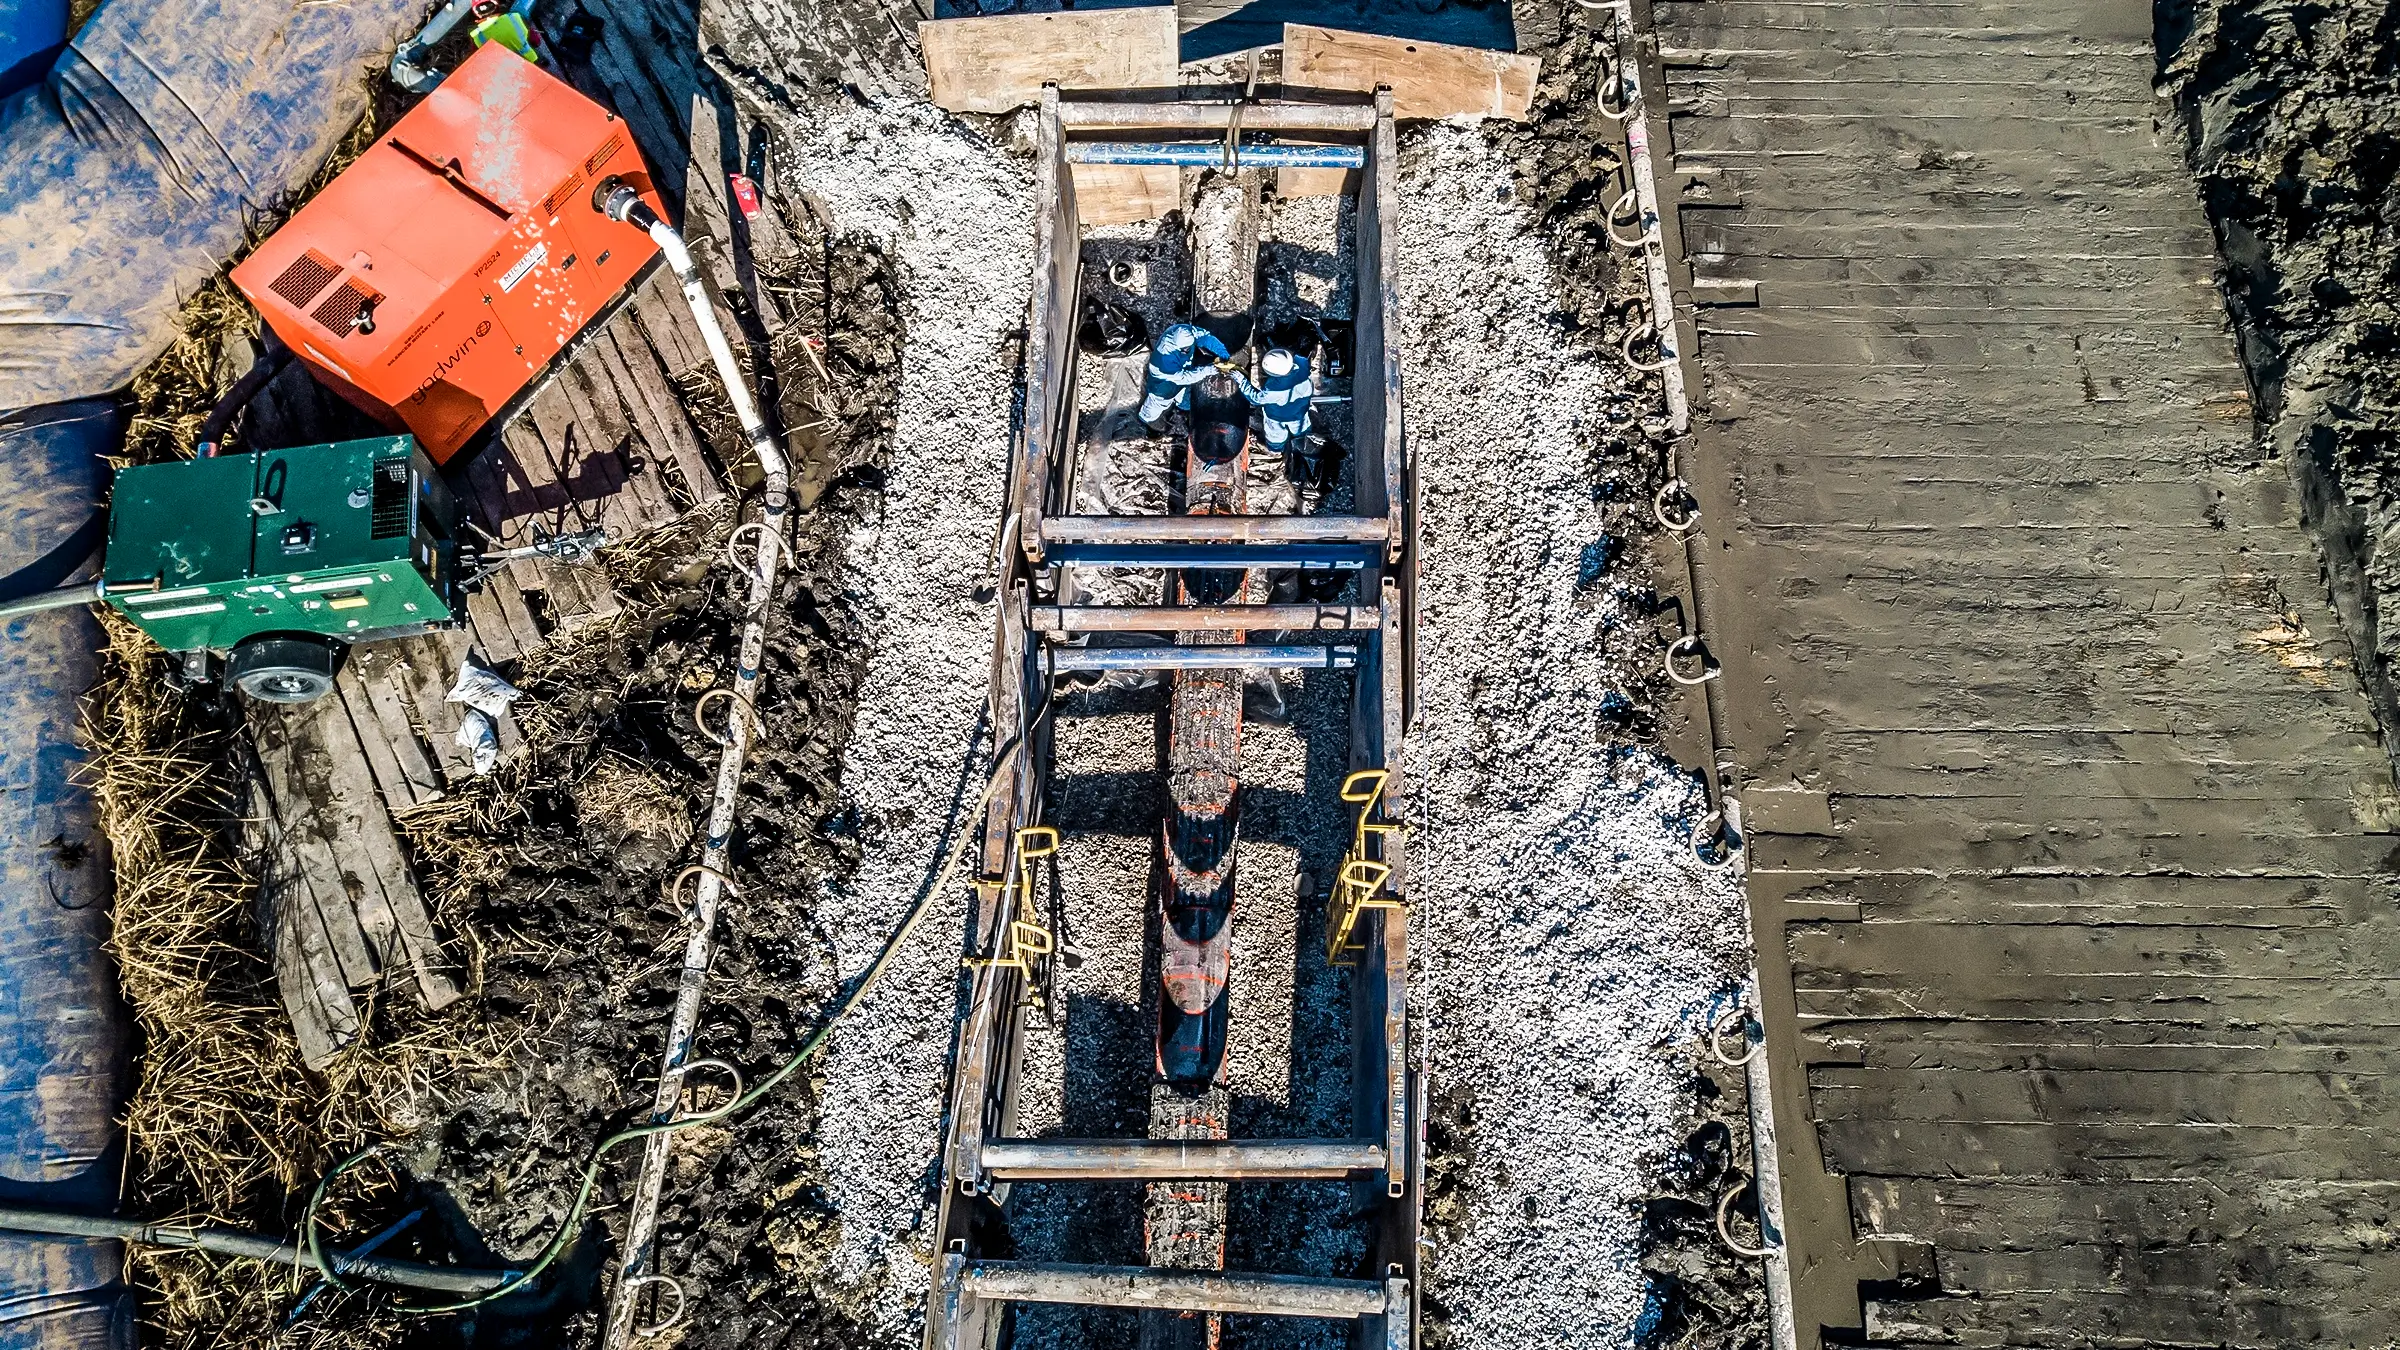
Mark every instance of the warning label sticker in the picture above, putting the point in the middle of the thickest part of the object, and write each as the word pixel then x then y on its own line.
pixel 532 260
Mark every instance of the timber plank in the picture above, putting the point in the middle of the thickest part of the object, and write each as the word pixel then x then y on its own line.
pixel 2029 1044
pixel 998 63
pixel 646 432
pixel 307 981
pixel 493 633
pixel 1938 1148
pixel 374 740
pixel 1967 1214
pixel 2063 949
pixel 667 323
pixel 1427 79
pixel 380 876
pixel 2247 1318
pixel 2239 902
pixel 653 395
pixel 291 750
pixel 2191 1000
pixel 2099 1097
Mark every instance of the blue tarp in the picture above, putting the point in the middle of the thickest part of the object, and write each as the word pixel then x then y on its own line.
pixel 62 1034
pixel 129 175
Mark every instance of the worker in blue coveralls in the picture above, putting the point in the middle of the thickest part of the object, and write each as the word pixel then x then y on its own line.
pixel 1183 356
pixel 1282 394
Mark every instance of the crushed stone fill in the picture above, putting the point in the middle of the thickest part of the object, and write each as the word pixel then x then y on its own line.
pixel 956 213
pixel 1563 931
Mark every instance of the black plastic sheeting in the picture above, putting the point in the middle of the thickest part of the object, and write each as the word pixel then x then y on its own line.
pixel 129 175
pixel 63 1035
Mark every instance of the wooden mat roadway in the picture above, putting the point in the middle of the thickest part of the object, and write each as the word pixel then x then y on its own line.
pixel 605 441
pixel 2068 827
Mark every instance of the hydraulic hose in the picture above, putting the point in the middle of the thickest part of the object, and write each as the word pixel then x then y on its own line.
pixel 620 202
pixel 251 1247
pixel 272 358
pixel 64 597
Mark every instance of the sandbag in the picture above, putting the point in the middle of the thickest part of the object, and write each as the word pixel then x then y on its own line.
pixel 63 1036
pixel 131 173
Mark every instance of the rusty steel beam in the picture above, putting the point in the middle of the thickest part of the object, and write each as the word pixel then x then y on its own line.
pixel 1179 1159
pixel 1216 529
pixel 1180 1290
pixel 1202 618
pixel 1088 116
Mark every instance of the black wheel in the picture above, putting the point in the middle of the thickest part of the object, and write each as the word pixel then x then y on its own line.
pixel 284 668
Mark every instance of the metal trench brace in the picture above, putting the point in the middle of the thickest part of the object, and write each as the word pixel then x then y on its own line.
pixel 1202 636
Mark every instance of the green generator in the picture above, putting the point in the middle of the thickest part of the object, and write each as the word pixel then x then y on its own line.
pixel 275 562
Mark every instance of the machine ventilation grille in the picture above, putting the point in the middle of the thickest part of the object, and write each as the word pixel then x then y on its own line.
pixel 308 274
pixel 341 309
pixel 390 506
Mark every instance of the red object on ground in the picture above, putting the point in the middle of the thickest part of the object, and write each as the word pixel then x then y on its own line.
pixel 745 196
pixel 435 277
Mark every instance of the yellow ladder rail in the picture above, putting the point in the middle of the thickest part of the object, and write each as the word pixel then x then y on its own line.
pixel 1363 881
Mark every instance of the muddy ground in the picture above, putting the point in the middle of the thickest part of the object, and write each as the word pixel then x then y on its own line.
pixel 555 873
pixel 2290 113
pixel 576 928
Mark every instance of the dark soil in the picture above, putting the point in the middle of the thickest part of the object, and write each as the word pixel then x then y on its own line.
pixel 580 943
pixel 1703 1296
pixel 2291 118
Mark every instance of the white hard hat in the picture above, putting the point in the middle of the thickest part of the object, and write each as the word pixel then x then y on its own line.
pixel 1277 362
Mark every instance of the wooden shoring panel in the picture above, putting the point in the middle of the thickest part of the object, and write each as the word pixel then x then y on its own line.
pixel 1427 79
pixel 1120 194
pixel 1000 62
pixel 546 436
pixel 1050 345
pixel 370 687
pixel 605 460
pixel 658 410
pixel 345 904
pixel 1375 393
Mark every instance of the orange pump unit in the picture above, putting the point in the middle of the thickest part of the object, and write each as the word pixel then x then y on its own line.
pixel 435 277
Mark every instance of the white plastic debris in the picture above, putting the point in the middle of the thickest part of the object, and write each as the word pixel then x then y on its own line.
pixel 487 697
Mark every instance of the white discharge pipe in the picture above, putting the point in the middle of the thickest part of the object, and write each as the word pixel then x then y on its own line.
pixel 716 862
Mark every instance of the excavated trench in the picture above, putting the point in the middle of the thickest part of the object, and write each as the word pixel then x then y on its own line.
pixel 1572 950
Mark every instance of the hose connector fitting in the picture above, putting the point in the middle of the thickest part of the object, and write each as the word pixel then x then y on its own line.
pixel 616 199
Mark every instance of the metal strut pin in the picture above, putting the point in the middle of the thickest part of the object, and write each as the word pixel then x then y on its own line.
pixel 1669 492
pixel 1716 1039
pixel 1725 1235
pixel 697 870
pixel 683 1071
